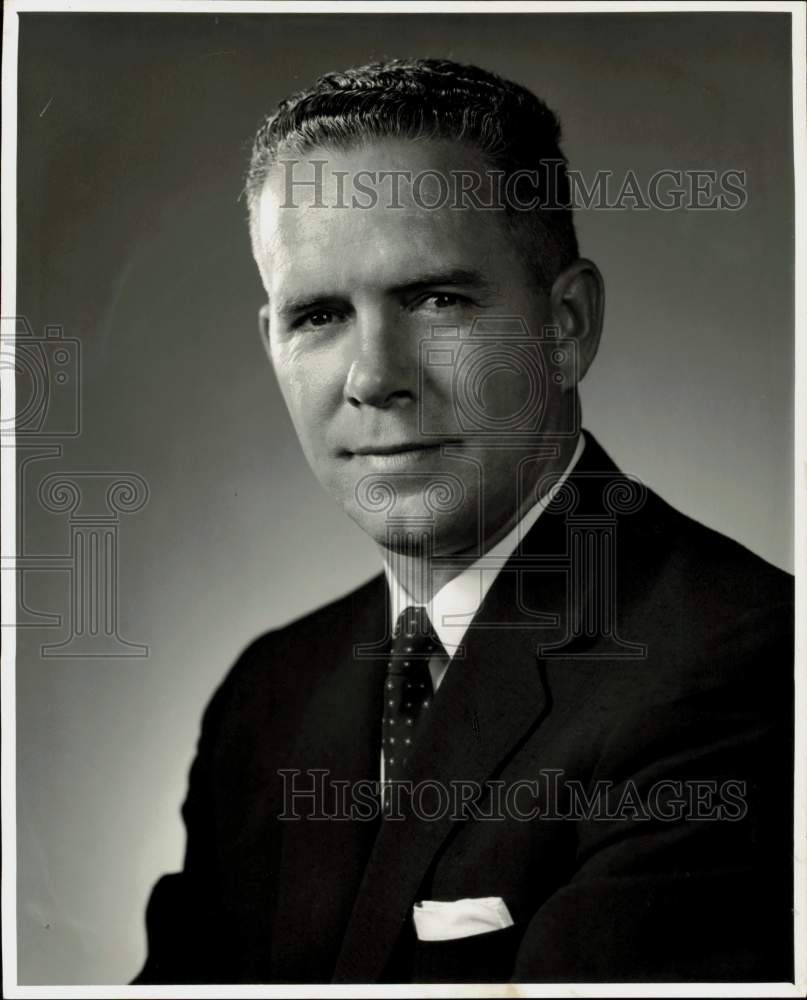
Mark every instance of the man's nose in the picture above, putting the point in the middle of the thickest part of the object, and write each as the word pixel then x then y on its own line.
pixel 383 370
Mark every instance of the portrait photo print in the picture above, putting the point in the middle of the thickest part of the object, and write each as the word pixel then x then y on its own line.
pixel 400 532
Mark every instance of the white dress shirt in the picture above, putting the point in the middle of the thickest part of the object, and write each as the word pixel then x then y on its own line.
pixel 452 608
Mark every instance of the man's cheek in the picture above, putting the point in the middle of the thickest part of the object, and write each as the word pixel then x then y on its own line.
pixel 298 399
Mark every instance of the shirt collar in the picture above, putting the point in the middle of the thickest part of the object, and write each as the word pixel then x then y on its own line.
pixel 453 607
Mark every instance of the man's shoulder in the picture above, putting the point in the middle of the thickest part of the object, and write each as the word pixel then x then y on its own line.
pixel 327 622
pixel 709 614
pixel 706 579
pixel 684 560
pixel 715 611
pixel 292 658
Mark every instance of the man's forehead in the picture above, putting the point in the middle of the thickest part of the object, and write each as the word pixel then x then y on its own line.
pixel 386 166
pixel 335 209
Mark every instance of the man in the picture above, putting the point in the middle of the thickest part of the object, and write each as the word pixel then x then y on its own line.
pixel 551 741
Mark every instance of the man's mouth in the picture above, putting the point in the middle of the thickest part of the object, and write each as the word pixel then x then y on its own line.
pixel 402 454
pixel 395 449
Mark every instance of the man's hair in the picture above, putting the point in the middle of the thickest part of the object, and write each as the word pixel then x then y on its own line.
pixel 513 130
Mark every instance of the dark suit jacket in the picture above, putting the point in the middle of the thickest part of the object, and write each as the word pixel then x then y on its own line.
pixel 626 647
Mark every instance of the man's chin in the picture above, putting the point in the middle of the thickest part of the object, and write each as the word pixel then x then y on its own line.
pixel 418 536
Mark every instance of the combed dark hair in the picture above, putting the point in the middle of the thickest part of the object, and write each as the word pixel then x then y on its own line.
pixel 435 98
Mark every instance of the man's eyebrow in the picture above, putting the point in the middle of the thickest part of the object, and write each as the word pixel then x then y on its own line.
pixel 453 277
pixel 297 304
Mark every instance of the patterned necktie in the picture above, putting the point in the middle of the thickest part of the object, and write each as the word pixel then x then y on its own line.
pixel 408 688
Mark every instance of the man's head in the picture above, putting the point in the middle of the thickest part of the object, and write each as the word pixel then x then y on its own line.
pixel 513 131
pixel 428 315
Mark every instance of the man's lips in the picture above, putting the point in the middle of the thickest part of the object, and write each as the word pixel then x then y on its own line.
pixel 396 449
pixel 401 455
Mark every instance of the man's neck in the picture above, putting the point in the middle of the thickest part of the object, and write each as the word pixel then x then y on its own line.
pixel 423 576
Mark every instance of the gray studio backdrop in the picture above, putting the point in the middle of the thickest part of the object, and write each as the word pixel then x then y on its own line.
pixel 133 134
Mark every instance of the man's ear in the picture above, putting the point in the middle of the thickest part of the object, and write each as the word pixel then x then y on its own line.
pixel 263 326
pixel 577 299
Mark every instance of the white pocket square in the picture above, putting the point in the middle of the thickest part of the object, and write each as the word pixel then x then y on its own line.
pixel 435 921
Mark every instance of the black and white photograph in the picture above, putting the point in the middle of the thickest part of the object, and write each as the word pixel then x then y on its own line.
pixel 403 537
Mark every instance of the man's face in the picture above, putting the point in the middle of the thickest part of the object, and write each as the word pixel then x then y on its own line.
pixel 356 296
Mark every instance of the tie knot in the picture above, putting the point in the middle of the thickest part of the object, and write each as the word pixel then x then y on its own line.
pixel 413 622
pixel 414 636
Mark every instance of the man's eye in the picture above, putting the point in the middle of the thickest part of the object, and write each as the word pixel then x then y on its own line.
pixel 318 318
pixel 445 300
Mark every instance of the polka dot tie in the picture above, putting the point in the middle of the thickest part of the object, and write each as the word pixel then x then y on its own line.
pixel 408 687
